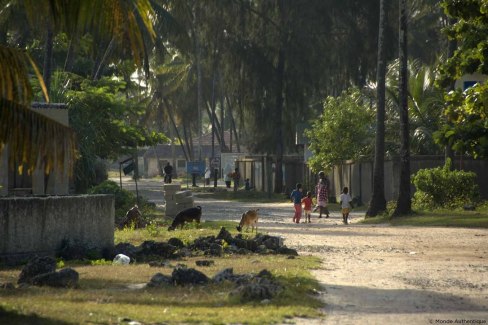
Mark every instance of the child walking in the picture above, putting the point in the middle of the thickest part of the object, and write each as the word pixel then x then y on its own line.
pixel 307 206
pixel 346 205
pixel 296 197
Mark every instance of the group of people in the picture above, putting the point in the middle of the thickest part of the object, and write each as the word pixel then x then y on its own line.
pixel 322 193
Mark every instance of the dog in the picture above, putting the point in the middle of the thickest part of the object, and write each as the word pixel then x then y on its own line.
pixel 249 218
pixel 188 215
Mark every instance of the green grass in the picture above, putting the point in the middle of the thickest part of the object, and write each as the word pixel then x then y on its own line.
pixel 104 295
pixel 439 218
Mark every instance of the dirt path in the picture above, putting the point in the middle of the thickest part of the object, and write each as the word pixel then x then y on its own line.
pixel 381 274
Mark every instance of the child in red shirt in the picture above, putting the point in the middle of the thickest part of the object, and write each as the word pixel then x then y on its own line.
pixel 307 202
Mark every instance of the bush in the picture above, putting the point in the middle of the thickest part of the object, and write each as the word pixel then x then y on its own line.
pixel 442 187
pixel 124 200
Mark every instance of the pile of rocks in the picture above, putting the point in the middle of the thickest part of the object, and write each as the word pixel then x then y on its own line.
pixel 176 199
pixel 41 271
pixel 248 287
pixel 224 243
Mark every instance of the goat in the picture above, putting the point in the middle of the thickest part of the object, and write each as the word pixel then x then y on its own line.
pixel 249 218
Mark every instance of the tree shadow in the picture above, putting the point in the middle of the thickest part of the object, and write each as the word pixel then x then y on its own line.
pixel 355 299
pixel 14 318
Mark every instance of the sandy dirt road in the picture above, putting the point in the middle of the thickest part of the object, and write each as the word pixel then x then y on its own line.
pixel 380 274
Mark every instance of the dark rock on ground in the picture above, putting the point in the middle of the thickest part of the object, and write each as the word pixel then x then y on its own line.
pixel 126 249
pixel 150 247
pixel 204 263
pixel 159 280
pixel 35 267
pixel 224 235
pixel 65 278
pixel 182 276
pixel 287 251
pixel 176 242
pixel 224 275
pixel 215 250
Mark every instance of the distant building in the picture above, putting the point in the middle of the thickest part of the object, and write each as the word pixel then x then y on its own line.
pixel 156 157
pixel 469 80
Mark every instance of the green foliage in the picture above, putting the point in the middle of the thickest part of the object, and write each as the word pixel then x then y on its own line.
pixel 439 218
pixel 124 199
pixel 153 228
pixel 343 131
pixel 443 187
pixel 101 262
pixel 467 129
pixel 107 125
pixel 470 30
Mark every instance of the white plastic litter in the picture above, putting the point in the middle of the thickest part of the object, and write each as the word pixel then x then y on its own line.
pixel 121 259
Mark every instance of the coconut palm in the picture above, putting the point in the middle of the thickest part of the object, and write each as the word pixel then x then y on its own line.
pixel 378 201
pixel 31 137
pixel 404 201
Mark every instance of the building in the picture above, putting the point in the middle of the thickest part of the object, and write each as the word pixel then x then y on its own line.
pixel 156 157
pixel 13 182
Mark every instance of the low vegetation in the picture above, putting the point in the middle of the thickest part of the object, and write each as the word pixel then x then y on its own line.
pixel 439 218
pixel 114 293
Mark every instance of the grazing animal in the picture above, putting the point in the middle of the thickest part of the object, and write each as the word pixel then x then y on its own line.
pixel 249 218
pixel 188 215
pixel 133 218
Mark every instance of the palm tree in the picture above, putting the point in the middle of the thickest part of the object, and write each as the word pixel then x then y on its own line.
pixel 404 202
pixel 31 137
pixel 378 201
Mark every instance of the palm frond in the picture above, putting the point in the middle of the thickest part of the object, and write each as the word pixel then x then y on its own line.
pixel 33 139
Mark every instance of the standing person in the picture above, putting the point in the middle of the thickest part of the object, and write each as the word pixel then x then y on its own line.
pixel 168 173
pixel 322 191
pixel 307 206
pixel 236 176
pixel 227 175
pixel 296 197
pixel 208 173
pixel 346 205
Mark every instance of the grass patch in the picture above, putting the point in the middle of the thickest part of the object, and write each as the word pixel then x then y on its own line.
pixel 109 293
pixel 438 218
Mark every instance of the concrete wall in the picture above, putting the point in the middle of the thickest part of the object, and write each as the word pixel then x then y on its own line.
pixel 39 224
pixel 358 176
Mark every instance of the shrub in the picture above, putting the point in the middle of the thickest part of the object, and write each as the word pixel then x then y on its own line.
pixel 443 187
pixel 124 200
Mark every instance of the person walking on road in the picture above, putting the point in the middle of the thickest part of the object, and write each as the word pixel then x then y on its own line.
pixel 307 206
pixel 236 176
pixel 346 205
pixel 322 191
pixel 296 197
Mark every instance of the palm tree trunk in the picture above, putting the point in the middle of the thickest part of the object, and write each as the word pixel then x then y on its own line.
pixel 404 202
pixel 48 56
pixel 170 115
pixel 233 127
pixel 278 116
pixel 378 201
pixel 100 65
pixel 452 46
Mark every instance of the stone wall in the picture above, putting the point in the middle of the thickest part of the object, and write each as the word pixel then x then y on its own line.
pixel 38 225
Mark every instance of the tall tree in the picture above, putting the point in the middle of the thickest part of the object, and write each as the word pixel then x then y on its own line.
pixel 378 201
pixel 404 201
pixel 29 135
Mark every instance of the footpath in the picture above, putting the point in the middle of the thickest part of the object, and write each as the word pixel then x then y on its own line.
pixel 376 274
